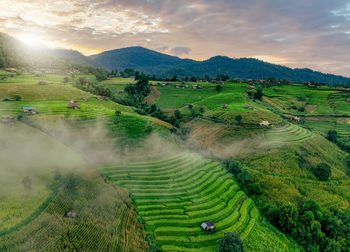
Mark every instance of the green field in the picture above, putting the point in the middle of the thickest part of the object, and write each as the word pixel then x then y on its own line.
pixel 289 99
pixel 173 196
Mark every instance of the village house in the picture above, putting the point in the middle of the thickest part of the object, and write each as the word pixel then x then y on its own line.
pixel 252 88
pixel 264 124
pixel 29 110
pixel 102 98
pixel 74 105
pixel 208 226
pixel 72 214
pixel 296 119
pixel 42 82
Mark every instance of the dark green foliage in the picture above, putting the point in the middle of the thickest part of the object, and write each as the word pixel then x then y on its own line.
pixel 313 228
pixel 288 218
pixel 332 136
pixel 65 80
pixel 218 87
pixel 322 171
pixel 259 93
pixel 238 118
pixel 118 113
pixel 92 87
pixel 231 242
pixel 17 97
pixel 178 115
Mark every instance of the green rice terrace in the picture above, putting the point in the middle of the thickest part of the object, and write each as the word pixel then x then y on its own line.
pixel 289 133
pixel 174 196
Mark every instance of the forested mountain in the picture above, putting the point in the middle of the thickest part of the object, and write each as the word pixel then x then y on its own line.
pixel 138 58
pixel 153 62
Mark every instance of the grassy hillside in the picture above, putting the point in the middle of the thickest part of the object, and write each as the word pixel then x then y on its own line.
pixel 58 158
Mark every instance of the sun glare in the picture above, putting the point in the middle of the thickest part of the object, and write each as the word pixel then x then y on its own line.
pixel 30 40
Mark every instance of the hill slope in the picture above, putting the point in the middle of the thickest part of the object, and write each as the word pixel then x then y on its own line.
pixel 139 58
pixel 153 62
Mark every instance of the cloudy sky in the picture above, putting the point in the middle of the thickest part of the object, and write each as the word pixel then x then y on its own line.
pixel 297 33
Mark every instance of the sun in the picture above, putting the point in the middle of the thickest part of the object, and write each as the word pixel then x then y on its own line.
pixel 30 40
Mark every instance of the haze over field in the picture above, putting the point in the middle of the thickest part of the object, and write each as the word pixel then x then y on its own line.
pixel 313 34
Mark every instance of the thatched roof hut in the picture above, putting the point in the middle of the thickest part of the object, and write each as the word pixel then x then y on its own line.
pixel 72 214
pixel 102 98
pixel 42 82
pixel 264 124
pixel 74 104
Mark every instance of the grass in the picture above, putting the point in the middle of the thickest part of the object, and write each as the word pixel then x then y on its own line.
pixel 174 196
pixel 174 98
pixel 289 99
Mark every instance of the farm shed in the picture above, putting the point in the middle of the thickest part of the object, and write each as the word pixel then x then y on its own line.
pixel 177 86
pixel 74 105
pixel 208 226
pixel 348 100
pixel 102 98
pixel 194 86
pixel 72 214
pixel 29 110
pixel 225 106
pixel 296 119
pixel 264 124
pixel 42 82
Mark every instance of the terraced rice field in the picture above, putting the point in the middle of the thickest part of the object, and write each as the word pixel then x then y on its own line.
pixel 174 196
pixel 289 133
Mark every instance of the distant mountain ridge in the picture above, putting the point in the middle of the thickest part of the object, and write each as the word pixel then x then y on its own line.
pixel 14 54
pixel 152 62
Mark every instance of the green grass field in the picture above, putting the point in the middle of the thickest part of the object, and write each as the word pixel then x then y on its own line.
pixel 289 99
pixel 173 196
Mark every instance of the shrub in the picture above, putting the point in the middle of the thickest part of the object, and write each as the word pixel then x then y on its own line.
pixel 332 136
pixel 17 97
pixel 239 118
pixel 218 87
pixel 118 113
pixel 231 242
pixel 322 171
